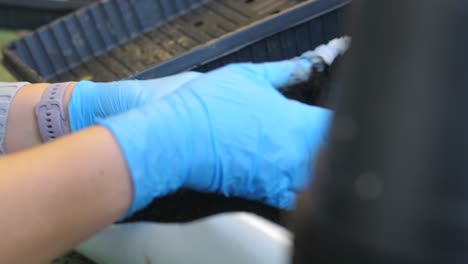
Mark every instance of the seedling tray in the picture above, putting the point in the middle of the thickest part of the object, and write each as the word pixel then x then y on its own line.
pixel 31 14
pixel 144 39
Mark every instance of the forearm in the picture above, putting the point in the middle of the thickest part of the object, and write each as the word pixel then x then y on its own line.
pixel 55 195
pixel 90 102
pixel 22 131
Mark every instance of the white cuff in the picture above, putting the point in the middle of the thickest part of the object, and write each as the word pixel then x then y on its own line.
pixel 335 47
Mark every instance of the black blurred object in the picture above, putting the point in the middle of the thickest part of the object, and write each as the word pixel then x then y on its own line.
pixel 186 205
pixel 31 14
pixel 395 187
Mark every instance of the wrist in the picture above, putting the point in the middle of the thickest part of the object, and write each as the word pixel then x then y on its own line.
pixel 22 127
pixel 66 100
pixel 80 103
pixel 50 112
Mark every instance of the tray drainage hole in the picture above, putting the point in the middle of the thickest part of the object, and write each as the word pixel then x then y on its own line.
pixel 199 23
pixel 249 1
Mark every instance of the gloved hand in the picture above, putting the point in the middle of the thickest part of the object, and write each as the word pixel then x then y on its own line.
pixel 229 131
pixel 100 100
pixel 91 101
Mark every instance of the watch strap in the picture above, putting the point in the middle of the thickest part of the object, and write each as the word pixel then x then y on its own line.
pixel 50 114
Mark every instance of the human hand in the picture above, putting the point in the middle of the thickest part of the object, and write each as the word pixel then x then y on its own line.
pixel 91 100
pixel 229 131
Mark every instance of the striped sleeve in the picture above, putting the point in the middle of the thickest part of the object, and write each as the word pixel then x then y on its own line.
pixel 7 93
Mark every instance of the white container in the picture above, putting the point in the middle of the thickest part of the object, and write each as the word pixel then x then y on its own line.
pixel 231 238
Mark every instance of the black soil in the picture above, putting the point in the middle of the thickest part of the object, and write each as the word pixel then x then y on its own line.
pixel 186 205
pixel 315 91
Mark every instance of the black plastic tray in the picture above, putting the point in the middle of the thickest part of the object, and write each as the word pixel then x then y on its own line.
pixel 31 14
pixel 145 39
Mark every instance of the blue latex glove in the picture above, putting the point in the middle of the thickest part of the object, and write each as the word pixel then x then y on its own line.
pixel 90 100
pixel 229 131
